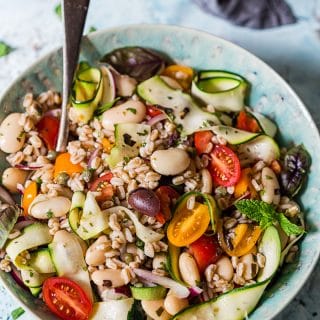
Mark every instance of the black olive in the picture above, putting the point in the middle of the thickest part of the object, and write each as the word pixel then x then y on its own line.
pixel 144 201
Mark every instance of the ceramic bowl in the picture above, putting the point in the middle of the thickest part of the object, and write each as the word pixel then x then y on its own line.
pixel 270 94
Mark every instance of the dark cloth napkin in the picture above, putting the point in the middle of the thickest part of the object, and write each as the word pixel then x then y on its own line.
pixel 257 14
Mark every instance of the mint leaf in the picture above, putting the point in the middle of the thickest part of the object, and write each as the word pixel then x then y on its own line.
pixel 15 314
pixel 92 29
pixel 5 49
pixel 288 227
pixel 58 10
pixel 258 211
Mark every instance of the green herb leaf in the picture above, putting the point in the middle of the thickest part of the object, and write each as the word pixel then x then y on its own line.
pixel 133 110
pixel 16 313
pixel 266 215
pixel 5 49
pixel 136 312
pixel 58 10
pixel 92 29
pixel 288 227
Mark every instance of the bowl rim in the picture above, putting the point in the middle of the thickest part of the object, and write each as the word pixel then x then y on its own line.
pixel 210 36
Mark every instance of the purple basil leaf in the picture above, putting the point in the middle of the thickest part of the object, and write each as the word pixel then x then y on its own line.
pixel 139 63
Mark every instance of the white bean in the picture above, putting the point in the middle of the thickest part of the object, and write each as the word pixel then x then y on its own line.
pixel 44 207
pixel 125 85
pixel 224 268
pixel 12 176
pixel 129 112
pixel 173 304
pixel 108 278
pixel 159 261
pixel 153 307
pixel 270 186
pixel 189 269
pixel 250 266
pixel 171 82
pixel 95 253
pixel 170 162
pixel 12 136
pixel 206 181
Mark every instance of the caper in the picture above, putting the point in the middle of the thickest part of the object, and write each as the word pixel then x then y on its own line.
pixel 87 175
pixel 127 258
pixel 62 178
pixel 140 244
pixel 51 155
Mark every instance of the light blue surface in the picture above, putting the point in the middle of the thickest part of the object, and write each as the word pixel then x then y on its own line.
pixel 292 50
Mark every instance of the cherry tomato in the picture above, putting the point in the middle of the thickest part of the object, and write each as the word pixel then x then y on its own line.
pixel 244 185
pixel 102 185
pixel 165 194
pixel 63 164
pixel 29 194
pixel 153 111
pixel 202 141
pixel 206 250
pixel 224 166
pixel 66 299
pixel 182 74
pixel 48 128
pixel 188 225
pixel 246 122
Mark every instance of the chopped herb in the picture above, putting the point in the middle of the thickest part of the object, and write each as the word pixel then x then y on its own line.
pixel 20 136
pixel 159 311
pixel 84 230
pixel 39 181
pixel 91 224
pixel 31 274
pixel 268 177
pixel 16 313
pixel 5 49
pixel 139 243
pixel 169 97
pixel 49 214
pixel 126 159
pixel 27 281
pixel 92 29
pixel 128 140
pixel 84 268
pixel 133 110
pixel 144 133
pixel 136 312
pixel 58 10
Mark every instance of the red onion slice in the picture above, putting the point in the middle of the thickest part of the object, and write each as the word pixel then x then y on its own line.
pixel 6 197
pixel 53 113
pixel 17 277
pixel 93 155
pixel 195 291
pixel 22 224
pixel 157 119
pixel 28 167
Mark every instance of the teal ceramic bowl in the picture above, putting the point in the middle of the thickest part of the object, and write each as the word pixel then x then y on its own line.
pixel 270 94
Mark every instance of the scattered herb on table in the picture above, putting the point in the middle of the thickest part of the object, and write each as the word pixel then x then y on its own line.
pixel 58 11
pixel 16 313
pixel 5 49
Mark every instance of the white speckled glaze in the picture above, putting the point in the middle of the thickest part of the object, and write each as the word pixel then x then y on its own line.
pixel 270 94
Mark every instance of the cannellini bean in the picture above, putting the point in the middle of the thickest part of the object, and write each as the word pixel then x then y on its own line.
pixel 153 307
pixel 171 82
pixel 173 304
pixel 12 136
pixel 159 261
pixel 95 253
pixel 270 186
pixel 125 85
pixel 44 207
pixel 206 181
pixel 224 268
pixel 170 162
pixel 129 112
pixel 12 176
pixel 189 269
pixel 250 266
pixel 108 278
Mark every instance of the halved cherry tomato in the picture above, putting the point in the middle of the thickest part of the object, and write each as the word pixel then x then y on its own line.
pixel 206 250
pixel 182 74
pixel 102 185
pixel 188 225
pixel 224 166
pixel 202 141
pixel 153 111
pixel 30 192
pixel 48 128
pixel 244 185
pixel 64 164
pixel 246 122
pixel 165 194
pixel 66 299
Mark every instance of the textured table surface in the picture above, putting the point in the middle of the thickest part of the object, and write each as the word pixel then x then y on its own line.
pixel 32 28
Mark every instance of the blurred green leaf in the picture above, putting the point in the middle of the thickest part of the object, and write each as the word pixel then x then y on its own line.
pixel 92 29
pixel 5 49
pixel 57 10
pixel 16 313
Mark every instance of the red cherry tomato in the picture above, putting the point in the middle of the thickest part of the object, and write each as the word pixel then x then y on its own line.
pixel 202 139
pixel 206 251
pixel 153 111
pixel 66 299
pixel 102 185
pixel 224 166
pixel 165 194
pixel 48 128
pixel 246 122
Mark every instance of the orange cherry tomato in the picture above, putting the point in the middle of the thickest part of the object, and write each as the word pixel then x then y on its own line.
pixel 102 185
pixel 202 139
pixel 244 185
pixel 64 164
pixel 182 74
pixel 246 122
pixel 28 196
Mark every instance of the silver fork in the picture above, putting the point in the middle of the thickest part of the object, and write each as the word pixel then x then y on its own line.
pixel 74 13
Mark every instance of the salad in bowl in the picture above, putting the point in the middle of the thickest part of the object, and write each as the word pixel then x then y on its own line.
pixel 173 199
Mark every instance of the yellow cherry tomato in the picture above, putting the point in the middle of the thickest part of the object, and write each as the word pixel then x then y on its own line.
pixel 64 164
pixel 182 74
pixel 29 194
pixel 107 145
pixel 188 225
pixel 244 185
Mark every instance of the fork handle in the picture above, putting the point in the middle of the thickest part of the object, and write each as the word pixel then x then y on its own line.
pixel 74 13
